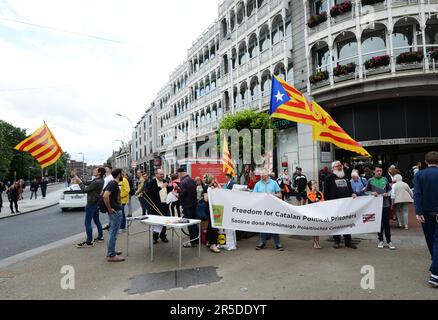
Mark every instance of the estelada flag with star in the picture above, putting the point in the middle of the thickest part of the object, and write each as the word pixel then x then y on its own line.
pixel 290 104
pixel 227 166
pixel 43 146
pixel 328 130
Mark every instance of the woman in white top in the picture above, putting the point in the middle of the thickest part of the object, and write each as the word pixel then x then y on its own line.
pixel 402 198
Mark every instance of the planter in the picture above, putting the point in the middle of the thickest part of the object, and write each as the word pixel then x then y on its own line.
pixel 410 57
pixel 318 77
pixel 371 2
pixel 378 70
pixel 346 77
pixel 316 20
pixel 409 66
pixel 320 84
pixel 342 70
pixel 376 62
pixel 340 9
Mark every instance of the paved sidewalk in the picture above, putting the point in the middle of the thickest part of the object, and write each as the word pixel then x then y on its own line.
pixel 27 205
pixel 299 272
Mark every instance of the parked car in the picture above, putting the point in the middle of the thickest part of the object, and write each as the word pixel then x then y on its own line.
pixel 72 198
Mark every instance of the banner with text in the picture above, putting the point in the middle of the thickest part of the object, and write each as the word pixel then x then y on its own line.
pixel 265 213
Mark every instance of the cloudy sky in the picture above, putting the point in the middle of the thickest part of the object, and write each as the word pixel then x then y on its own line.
pixel 76 63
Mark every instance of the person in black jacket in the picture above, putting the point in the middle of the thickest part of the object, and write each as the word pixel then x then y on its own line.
pixel 189 202
pixel 34 189
pixel 337 186
pixel 13 195
pixel 93 189
pixel 156 194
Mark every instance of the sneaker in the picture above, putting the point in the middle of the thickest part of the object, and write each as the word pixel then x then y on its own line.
pixel 433 281
pixel 115 259
pixel 85 245
pixel 406 228
pixel 261 246
pixel 279 248
pixel 106 227
pixel 214 248
pixel 391 246
pixel 381 245
pixel 99 239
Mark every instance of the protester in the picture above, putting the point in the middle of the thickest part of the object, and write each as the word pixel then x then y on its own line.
pixel 173 198
pixel 34 185
pixel 300 185
pixel 156 194
pixel 188 203
pixel 13 196
pixel 21 188
pixel 314 196
pixel 379 185
pixel 142 178
pixel 285 184
pixel 338 187
pixel 402 197
pixel 131 193
pixel 2 189
pixel 111 198
pixel 124 199
pixel 358 184
pixel 368 173
pixel 212 233
pixel 230 182
pixel 44 183
pixel 267 185
pixel 323 174
pixel 93 189
pixel 426 208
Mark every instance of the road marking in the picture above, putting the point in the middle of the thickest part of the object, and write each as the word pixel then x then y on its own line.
pixel 33 252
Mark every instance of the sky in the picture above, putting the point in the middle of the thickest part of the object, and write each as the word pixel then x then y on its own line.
pixel 92 59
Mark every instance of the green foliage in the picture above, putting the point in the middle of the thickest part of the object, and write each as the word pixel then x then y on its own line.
pixel 246 120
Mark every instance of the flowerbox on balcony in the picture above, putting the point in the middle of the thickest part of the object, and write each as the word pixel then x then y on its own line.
pixel 410 57
pixel 370 2
pixel 316 20
pixel 340 9
pixel 379 61
pixel 318 77
pixel 342 70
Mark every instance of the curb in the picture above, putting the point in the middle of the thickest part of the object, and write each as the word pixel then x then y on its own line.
pixel 33 210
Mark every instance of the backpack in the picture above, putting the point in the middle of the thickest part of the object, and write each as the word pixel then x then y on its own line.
pixel 100 203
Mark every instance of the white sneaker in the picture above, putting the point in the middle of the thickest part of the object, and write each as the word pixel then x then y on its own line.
pixel 381 245
pixel 391 246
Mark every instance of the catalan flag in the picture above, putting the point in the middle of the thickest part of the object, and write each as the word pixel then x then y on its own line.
pixel 329 131
pixel 43 146
pixel 290 104
pixel 226 159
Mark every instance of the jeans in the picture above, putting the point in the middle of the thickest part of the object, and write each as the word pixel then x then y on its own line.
pixel 430 229
pixel 276 237
pixel 123 222
pixel 144 205
pixel 385 226
pixel 403 214
pixel 43 191
pixel 92 213
pixel 190 213
pixel 114 226
pixel 33 193
pixel 347 239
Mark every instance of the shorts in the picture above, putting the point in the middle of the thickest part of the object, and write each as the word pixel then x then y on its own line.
pixel 301 196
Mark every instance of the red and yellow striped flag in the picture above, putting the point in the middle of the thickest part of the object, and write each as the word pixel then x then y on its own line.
pixel 226 159
pixel 43 146
pixel 290 104
pixel 328 130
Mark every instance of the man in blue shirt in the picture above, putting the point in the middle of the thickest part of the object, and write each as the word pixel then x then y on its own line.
pixel 267 185
pixel 230 182
pixel 426 208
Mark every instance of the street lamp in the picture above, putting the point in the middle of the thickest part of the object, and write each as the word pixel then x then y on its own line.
pixel 83 164
pixel 132 135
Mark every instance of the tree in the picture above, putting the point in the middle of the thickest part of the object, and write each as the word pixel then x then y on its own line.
pixel 246 120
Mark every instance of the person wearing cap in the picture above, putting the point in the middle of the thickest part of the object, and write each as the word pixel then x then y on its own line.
pixel 267 185
pixel 189 201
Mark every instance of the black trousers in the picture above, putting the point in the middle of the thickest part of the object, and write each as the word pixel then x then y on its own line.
pixel 347 239
pixel 386 227
pixel 44 191
pixel 164 209
pixel 178 209
pixel 190 213
pixel 13 202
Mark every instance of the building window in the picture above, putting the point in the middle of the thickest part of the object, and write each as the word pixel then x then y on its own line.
pixel 374 42
pixel 318 6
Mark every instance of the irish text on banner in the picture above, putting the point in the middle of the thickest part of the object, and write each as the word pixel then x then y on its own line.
pixel 43 146
pixel 264 213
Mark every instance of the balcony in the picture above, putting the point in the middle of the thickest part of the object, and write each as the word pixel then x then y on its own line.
pixel 263 11
pixel 265 56
pixel 277 49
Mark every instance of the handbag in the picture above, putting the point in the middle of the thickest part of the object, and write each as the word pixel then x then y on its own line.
pixel 201 213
